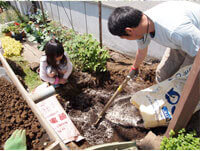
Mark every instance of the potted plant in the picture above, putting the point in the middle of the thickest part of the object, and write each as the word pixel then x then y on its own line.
pixel 17 31
pixel 6 31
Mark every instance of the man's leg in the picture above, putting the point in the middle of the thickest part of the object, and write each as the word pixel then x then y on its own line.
pixel 188 61
pixel 170 64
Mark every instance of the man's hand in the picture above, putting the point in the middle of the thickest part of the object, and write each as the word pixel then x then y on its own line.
pixel 133 72
pixel 17 141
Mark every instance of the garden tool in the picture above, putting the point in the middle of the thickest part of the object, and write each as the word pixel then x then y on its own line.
pixel 131 75
pixel 17 141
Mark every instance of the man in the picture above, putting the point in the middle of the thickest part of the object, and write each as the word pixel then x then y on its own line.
pixel 174 24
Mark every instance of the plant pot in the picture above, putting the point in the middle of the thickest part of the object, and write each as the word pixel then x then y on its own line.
pixel 8 34
pixel 1 10
pixel 17 36
pixel 23 34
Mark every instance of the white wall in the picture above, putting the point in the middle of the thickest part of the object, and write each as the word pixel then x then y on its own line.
pixel 23 7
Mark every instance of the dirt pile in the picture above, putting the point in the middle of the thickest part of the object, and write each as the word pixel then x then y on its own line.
pixel 85 95
pixel 15 114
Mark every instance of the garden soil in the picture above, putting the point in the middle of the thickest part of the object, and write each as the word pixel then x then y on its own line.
pixel 85 95
pixel 83 98
pixel 15 114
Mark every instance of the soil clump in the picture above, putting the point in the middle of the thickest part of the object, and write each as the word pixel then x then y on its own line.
pixel 16 114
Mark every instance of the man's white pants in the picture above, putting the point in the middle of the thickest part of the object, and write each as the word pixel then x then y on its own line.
pixel 171 62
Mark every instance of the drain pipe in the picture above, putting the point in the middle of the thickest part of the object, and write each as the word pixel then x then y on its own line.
pixel 50 131
pixel 100 24
pixel 43 94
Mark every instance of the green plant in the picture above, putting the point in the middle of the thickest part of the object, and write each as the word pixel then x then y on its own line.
pixel 39 35
pixel 184 141
pixel 5 29
pixel 15 28
pixel 11 47
pixel 86 54
pixel 38 17
pixel 63 35
pixel 4 4
pixel 43 35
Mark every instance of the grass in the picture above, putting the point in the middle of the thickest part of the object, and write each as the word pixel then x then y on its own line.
pixel 31 78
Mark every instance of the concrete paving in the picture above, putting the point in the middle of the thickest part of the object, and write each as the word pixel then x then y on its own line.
pixel 31 53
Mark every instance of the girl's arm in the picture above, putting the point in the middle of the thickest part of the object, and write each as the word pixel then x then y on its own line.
pixel 43 74
pixel 69 67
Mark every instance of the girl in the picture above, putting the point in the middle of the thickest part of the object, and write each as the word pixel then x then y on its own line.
pixel 55 65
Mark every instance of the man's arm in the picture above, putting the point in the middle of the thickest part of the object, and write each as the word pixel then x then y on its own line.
pixel 140 56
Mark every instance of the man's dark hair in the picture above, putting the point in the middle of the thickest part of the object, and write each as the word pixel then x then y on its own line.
pixel 123 17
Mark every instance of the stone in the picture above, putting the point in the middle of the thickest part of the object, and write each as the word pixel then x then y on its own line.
pixel 149 142
pixel 34 66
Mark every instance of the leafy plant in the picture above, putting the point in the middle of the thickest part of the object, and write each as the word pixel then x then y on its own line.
pixel 4 4
pixel 40 36
pixel 5 29
pixel 184 141
pixel 43 35
pixel 11 47
pixel 63 35
pixel 15 28
pixel 86 53
pixel 38 17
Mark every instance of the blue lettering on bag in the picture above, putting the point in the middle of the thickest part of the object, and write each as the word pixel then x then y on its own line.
pixel 173 94
pixel 166 113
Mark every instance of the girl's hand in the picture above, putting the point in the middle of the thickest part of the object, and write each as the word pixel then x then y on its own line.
pixel 62 71
pixel 62 81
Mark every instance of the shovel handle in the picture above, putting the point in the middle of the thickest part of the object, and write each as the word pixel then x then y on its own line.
pixel 111 99
pixel 131 75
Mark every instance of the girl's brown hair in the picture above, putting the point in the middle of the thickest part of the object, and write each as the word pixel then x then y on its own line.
pixel 54 49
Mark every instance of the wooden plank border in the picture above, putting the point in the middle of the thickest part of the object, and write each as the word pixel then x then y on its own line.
pixel 189 99
pixel 50 131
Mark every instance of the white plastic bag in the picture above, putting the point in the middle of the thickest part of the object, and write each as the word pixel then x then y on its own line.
pixel 158 102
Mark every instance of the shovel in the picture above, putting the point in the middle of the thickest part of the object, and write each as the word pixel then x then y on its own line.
pixel 119 89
